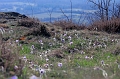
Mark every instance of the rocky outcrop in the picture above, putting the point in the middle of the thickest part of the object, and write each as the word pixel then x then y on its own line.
pixel 11 15
pixel 5 16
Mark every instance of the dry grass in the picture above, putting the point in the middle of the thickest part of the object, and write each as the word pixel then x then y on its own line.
pixel 9 58
pixel 28 22
pixel 38 28
pixel 68 25
pixel 3 25
pixel 110 26
pixel 117 49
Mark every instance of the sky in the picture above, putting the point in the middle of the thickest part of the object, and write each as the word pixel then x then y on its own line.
pixel 41 2
pixel 81 3
pixel 12 5
pixel 42 6
pixel 49 1
pixel 25 5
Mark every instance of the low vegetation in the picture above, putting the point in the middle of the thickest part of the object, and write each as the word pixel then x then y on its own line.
pixel 62 50
pixel 110 26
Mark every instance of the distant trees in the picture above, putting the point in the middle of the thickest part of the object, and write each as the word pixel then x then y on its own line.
pixel 70 12
pixel 108 16
pixel 71 9
pixel 116 12
pixel 106 9
pixel 103 8
pixel 50 14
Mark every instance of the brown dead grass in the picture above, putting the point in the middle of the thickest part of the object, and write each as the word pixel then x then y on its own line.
pixel 9 57
pixel 110 26
pixel 3 25
pixel 28 22
pixel 68 25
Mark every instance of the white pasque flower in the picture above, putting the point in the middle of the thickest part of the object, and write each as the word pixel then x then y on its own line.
pixel 33 77
pixel 60 64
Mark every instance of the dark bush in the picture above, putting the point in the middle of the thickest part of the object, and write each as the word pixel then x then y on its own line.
pixel 28 22
pixel 40 30
pixel 117 51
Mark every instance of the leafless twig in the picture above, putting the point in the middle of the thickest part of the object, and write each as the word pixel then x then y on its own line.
pixel 64 14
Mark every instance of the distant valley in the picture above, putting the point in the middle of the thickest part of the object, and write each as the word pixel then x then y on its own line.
pixel 42 9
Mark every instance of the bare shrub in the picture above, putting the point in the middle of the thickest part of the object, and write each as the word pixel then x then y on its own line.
pixel 68 25
pixel 39 30
pixel 117 49
pixel 9 58
pixel 110 26
pixel 102 8
pixel 28 22
pixel 36 27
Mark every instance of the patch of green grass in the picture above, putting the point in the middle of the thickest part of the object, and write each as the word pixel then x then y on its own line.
pixel 77 43
pixel 25 73
pixel 25 50
pixel 85 62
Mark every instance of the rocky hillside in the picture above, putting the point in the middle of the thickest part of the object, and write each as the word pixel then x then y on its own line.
pixel 24 26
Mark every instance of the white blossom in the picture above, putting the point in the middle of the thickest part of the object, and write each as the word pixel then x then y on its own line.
pixel 71 43
pixel 104 73
pixel 15 67
pixel 60 64
pixel 17 41
pixel 2 30
pixel 42 72
pixel 33 77
pixel 119 66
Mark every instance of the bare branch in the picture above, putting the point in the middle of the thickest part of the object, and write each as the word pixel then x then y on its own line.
pixel 103 8
pixel 97 4
pixel 64 14
pixel 50 13
pixel 71 10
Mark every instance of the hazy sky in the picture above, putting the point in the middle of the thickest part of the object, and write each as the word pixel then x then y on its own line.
pixel 34 3
pixel 46 1
pixel 43 2
pixel 80 1
pixel 13 5
pixel 30 7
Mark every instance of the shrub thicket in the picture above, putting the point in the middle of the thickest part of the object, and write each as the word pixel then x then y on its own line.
pixel 9 58
pixel 28 22
pixel 68 25
pixel 110 26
